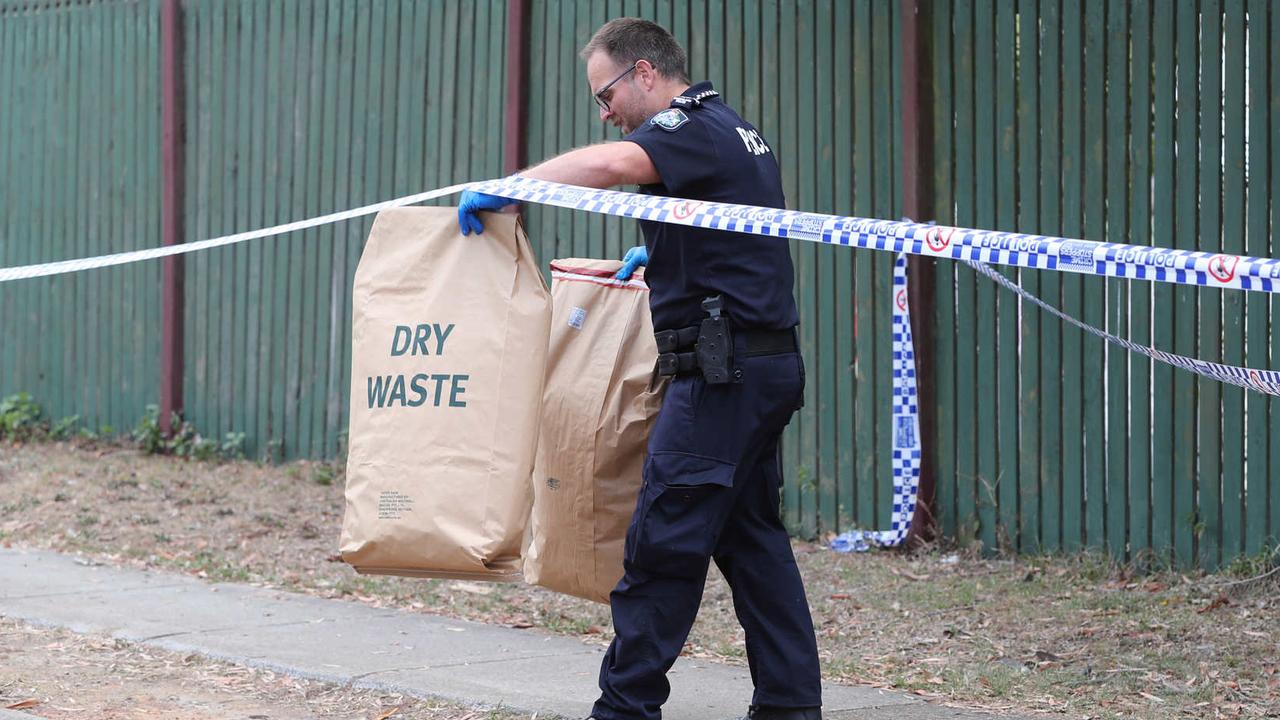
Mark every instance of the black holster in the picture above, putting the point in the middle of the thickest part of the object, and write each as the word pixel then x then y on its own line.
pixel 715 343
pixel 711 342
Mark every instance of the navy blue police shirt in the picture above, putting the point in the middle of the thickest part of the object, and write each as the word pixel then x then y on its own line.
pixel 703 150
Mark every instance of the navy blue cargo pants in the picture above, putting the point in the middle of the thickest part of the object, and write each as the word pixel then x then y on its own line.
pixel 711 490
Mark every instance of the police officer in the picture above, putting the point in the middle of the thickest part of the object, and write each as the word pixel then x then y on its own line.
pixel 725 317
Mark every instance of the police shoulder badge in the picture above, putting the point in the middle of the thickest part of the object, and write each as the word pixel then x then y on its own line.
pixel 670 119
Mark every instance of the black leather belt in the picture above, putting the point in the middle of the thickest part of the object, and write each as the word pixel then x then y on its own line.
pixel 770 342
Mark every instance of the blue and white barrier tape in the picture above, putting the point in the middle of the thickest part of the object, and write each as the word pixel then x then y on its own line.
pixel 1186 267
pixel 1041 252
pixel 906 431
pixel 975 247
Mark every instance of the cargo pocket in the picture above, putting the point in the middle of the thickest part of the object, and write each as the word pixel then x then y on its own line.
pixel 686 500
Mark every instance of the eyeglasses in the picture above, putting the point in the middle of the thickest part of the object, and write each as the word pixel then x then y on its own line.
pixel 599 94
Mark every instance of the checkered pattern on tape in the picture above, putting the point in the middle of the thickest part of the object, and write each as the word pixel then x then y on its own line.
pixel 976 247
pixel 1186 267
pixel 906 429
pixel 1031 251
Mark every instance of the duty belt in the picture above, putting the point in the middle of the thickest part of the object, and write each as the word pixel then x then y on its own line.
pixel 678 349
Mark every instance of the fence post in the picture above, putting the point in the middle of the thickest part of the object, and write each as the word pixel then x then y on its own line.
pixel 514 124
pixel 917 204
pixel 171 206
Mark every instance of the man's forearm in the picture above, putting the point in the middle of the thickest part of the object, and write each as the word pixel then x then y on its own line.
pixel 602 165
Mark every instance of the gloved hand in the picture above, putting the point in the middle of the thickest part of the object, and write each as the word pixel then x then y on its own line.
pixel 635 257
pixel 473 202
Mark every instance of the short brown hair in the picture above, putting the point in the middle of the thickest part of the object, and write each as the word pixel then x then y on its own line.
pixel 626 40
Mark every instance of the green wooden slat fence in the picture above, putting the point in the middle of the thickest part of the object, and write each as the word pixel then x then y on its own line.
pixel 297 109
pixel 1126 121
pixel 80 175
pixel 1113 453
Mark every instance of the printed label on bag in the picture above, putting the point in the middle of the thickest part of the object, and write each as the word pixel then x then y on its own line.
pixel 393 505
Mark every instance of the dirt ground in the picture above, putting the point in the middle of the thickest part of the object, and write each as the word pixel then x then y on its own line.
pixel 59 675
pixel 1076 636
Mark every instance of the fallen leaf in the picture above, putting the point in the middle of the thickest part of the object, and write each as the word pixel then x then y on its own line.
pixel 470 587
pixel 1153 587
pixel 1218 602
pixel 23 704
pixel 840 596
pixel 388 713
pixel 521 625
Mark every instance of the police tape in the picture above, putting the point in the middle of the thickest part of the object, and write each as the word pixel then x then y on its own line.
pixel 1264 381
pixel 976 247
pixel 1039 252
pixel 906 431
pixel 23 272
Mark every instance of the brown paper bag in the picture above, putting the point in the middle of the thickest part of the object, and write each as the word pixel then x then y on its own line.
pixel 601 399
pixel 449 343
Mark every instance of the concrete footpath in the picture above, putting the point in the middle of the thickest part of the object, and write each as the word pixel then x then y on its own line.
pixel 349 643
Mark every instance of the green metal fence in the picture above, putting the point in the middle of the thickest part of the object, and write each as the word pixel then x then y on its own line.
pixel 1139 122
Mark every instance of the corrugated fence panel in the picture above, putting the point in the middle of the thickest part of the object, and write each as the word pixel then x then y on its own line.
pixel 778 63
pixel 295 109
pixel 80 175
pixel 1087 126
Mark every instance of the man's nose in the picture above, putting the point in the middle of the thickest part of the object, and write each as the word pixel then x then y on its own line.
pixel 605 114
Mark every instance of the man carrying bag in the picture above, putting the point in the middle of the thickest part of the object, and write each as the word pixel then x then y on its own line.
pixel 725 320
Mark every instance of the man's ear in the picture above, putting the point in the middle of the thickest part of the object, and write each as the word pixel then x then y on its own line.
pixel 647 73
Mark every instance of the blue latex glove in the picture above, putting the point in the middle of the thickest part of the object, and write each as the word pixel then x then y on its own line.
pixel 473 202
pixel 634 258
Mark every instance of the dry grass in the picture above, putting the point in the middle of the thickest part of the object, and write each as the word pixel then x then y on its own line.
pixel 1079 636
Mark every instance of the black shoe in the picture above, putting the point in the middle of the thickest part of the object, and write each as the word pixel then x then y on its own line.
pixel 765 712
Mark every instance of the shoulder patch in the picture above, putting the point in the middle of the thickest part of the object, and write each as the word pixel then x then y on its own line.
pixel 670 119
